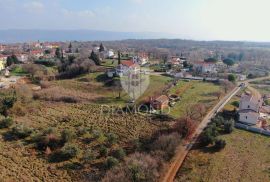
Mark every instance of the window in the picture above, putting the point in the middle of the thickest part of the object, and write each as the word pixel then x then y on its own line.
pixel 248 106
pixel 246 117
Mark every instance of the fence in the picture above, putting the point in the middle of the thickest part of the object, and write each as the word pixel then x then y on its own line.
pixel 252 129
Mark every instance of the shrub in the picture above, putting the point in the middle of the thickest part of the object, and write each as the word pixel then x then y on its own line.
pixel 207 137
pixel 69 151
pixel 21 131
pixel 111 138
pixel 67 135
pixel 103 151
pixel 119 154
pixel 228 126
pixel 185 126
pixel 82 131
pixel 47 138
pixel 89 156
pixel 111 162
pixel 231 77
pixel 136 167
pixel 6 122
pixel 220 144
pixel 99 136
pixel 218 121
pixel 168 144
pixel 235 103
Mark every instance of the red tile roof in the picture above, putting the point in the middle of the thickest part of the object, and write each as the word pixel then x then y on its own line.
pixel 128 63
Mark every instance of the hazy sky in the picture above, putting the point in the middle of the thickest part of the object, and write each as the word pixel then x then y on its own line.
pixel 190 19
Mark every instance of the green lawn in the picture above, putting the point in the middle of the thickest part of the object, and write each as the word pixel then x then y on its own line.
pixel 245 158
pixel 191 93
pixel 18 71
pixel 110 63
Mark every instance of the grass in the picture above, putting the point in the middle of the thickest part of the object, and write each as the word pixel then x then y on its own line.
pixel 191 93
pixel 20 157
pixel 263 89
pixel 18 71
pixel 155 88
pixel 245 158
pixel 110 63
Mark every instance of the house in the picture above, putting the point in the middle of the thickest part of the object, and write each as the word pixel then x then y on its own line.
pixel 176 61
pixel 160 102
pixel 141 58
pixel 107 54
pixel 3 61
pixel 2 47
pixel 249 108
pixel 22 57
pixel 48 45
pixel 204 67
pixel 125 66
pixel 36 53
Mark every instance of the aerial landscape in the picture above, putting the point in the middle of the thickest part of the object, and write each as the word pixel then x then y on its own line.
pixel 134 91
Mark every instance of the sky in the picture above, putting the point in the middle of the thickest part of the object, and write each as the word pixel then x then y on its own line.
pixel 186 19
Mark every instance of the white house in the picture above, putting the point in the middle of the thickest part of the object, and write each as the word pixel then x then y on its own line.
pixel 205 67
pixel 126 66
pixel 249 108
pixel 22 57
pixel 141 58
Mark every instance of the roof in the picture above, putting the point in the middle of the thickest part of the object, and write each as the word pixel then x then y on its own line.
pixel 36 52
pixel 162 98
pixel 128 63
pixel 250 112
pixel 255 99
pixel 3 56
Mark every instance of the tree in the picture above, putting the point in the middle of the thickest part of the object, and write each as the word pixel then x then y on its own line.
pixel 47 51
pixel 228 62
pixel 200 108
pixel 138 167
pixel 185 126
pixel 95 58
pixel 167 144
pixel 119 57
pixel 231 77
pixel 211 60
pixel 12 60
pixel 58 53
pixel 228 126
pixel 70 48
pixel 220 144
pixel 185 64
pixel 101 48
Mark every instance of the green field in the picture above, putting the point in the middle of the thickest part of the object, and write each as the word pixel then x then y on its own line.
pixel 193 92
pixel 245 158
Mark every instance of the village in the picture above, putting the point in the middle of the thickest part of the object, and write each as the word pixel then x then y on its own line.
pixel 57 84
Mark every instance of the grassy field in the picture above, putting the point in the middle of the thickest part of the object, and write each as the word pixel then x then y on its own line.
pixel 191 93
pixel 245 158
pixel 90 91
